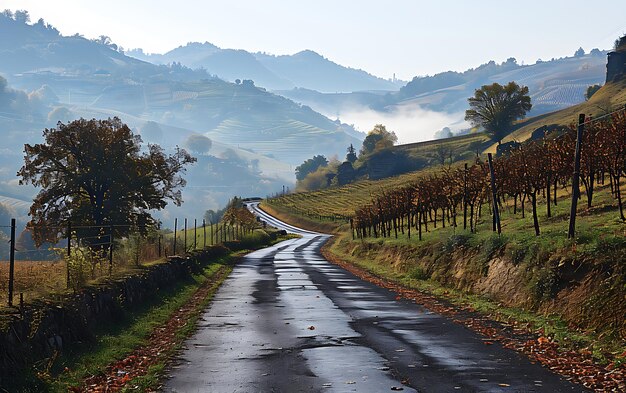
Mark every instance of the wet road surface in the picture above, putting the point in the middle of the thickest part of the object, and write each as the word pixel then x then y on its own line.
pixel 287 320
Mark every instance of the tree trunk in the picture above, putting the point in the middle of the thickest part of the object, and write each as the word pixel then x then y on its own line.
pixel 548 196
pixel 533 198
pixel 618 194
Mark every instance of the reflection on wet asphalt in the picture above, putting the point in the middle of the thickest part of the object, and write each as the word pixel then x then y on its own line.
pixel 287 320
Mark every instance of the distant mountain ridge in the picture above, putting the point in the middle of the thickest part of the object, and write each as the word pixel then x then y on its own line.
pixel 305 69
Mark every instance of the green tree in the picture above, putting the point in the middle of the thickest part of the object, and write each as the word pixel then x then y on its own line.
pixel 377 139
pixel 591 90
pixel 309 166
pixel 351 156
pixel 198 144
pixel 93 172
pixel 495 108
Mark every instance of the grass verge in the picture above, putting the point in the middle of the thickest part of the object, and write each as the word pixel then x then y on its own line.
pixel 603 347
pixel 116 341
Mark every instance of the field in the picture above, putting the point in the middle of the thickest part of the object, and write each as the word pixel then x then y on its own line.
pixel 458 146
pixel 45 279
pixel 33 278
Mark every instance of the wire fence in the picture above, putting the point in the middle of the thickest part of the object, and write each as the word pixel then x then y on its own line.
pixel 85 254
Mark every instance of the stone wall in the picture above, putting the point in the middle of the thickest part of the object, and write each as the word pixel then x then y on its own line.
pixel 49 327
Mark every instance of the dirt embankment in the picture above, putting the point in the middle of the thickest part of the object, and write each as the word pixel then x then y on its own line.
pixel 587 294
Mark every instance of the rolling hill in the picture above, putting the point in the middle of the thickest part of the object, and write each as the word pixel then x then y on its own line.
pixel 258 136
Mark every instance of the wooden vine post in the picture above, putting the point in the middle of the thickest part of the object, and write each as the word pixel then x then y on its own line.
pixel 496 211
pixel 576 177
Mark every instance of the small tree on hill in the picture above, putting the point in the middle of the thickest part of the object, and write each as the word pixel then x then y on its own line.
pixel 620 43
pixel 351 157
pixel 591 90
pixel 309 166
pixel 377 139
pixel 495 108
pixel 199 144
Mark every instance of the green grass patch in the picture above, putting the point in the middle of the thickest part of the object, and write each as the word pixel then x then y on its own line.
pixel 115 341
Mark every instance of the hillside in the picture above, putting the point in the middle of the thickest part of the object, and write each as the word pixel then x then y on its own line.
pixel 610 97
pixel 305 69
pixel 555 84
pixel 258 136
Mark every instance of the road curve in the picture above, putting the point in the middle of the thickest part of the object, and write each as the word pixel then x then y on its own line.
pixel 287 320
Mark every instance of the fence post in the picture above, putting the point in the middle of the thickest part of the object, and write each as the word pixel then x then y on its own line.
pixel 110 249
pixel 69 252
pixel 211 225
pixel 12 262
pixel 175 229
pixel 575 177
pixel 185 249
pixel 465 197
pixel 204 230
pixel 496 212
pixel 159 238
pixel 195 243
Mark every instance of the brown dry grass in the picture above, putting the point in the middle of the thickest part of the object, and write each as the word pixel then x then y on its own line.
pixel 32 278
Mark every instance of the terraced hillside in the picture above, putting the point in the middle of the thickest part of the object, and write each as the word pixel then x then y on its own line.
pixel 239 115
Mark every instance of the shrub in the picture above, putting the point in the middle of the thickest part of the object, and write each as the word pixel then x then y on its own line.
pixel 546 284
pixel 610 245
pixel 492 245
pixel 418 273
pixel 456 241
pixel 255 239
pixel 517 253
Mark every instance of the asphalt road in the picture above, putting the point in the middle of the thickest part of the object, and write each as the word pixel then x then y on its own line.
pixel 287 320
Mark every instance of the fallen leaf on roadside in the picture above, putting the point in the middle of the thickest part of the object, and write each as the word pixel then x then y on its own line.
pixel 543 340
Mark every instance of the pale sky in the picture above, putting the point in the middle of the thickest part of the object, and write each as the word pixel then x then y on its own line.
pixel 405 37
